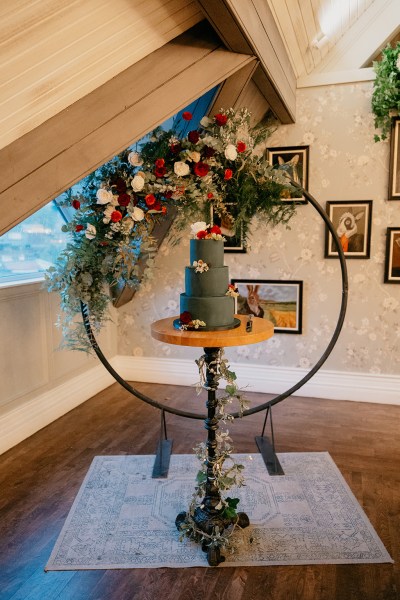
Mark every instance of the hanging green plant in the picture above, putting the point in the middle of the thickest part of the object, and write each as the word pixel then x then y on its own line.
pixel 386 92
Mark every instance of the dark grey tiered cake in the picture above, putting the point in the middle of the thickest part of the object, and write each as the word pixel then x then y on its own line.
pixel 205 293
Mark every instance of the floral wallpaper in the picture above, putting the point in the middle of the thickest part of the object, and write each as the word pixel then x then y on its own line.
pixel 345 164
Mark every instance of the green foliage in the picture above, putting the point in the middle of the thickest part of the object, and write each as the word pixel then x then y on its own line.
pixel 386 92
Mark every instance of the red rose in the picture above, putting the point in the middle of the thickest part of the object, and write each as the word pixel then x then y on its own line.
pixel 157 205
pixel 164 210
pixel 228 174
pixel 187 116
pixel 175 148
pixel 78 227
pixel 160 162
pixel 201 235
pixel 241 147
pixel 220 119
pixel 210 195
pixel 168 194
pixel 134 199
pixel 76 204
pixel 124 199
pixel 193 136
pixel 116 216
pixel 160 171
pixel 201 169
pixel 120 185
pixel 185 317
pixel 150 199
pixel 215 229
pixel 208 151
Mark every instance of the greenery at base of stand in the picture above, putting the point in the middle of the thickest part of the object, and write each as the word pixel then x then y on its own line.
pixel 225 476
pixel 386 93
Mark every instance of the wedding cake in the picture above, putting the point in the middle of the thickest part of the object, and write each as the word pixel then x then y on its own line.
pixel 207 301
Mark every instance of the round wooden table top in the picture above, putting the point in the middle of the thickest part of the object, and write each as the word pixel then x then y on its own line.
pixel 164 331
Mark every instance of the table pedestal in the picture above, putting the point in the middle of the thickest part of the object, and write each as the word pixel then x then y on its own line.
pixel 207 516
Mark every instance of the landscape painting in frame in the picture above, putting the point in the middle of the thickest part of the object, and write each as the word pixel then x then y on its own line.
pixel 394 164
pixel 280 302
pixel 234 241
pixel 352 222
pixel 392 258
pixel 295 161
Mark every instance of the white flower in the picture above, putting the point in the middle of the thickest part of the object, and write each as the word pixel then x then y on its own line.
pixel 137 183
pixel 205 122
pixel 103 196
pixel 200 266
pixel 181 168
pixel 137 214
pixel 199 226
pixel 90 232
pixel 230 152
pixel 194 156
pixel 134 159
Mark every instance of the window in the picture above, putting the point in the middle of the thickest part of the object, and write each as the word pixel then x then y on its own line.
pixel 30 248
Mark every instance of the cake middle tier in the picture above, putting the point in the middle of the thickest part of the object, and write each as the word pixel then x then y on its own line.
pixel 213 282
pixel 217 311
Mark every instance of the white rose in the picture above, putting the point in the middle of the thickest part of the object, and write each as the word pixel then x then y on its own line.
pixel 137 183
pixel 194 156
pixel 90 232
pixel 230 152
pixel 181 168
pixel 103 196
pixel 205 122
pixel 134 159
pixel 137 214
pixel 199 226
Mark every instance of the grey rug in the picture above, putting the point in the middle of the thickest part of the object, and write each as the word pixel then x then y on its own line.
pixel 122 518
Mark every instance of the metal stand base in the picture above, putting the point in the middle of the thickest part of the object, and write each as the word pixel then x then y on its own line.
pixel 161 463
pixel 268 453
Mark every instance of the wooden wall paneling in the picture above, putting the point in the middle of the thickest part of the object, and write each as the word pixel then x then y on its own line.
pixel 253 99
pixel 250 27
pixel 60 52
pixel 231 92
pixel 48 160
pixel 23 348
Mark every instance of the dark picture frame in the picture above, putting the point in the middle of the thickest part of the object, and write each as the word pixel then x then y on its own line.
pixel 352 221
pixel 278 301
pixel 392 257
pixel 394 160
pixel 295 160
pixel 233 242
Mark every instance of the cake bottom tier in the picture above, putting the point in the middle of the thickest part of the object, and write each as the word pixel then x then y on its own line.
pixel 215 311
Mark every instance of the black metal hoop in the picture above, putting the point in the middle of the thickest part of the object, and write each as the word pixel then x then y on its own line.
pixel 280 397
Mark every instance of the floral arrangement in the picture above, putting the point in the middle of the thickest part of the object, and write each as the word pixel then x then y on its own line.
pixel 201 231
pixel 227 472
pixel 117 206
pixel 187 322
pixel 386 92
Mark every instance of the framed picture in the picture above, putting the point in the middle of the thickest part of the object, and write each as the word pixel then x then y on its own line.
pixel 234 242
pixel 352 222
pixel 392 258
pixel 394 160
pixel 280 302
pixel 294 160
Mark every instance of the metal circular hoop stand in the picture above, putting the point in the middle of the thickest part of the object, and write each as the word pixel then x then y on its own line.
pixel 267 405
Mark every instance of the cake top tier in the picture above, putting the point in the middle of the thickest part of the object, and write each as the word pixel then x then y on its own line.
pixel 209 251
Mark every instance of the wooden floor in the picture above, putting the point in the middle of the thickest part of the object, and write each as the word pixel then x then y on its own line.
pixel 41 476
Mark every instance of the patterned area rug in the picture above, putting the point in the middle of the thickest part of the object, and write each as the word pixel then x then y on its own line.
pixel 122 518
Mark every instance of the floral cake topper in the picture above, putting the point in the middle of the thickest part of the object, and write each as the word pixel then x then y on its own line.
pixel 202 231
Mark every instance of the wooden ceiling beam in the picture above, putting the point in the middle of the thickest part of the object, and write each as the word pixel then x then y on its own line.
pixel 50 159
pixel 249 28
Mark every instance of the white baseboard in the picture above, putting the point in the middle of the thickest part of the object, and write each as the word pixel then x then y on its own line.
pixel 23 421
pixel 332 385
pixel 20 422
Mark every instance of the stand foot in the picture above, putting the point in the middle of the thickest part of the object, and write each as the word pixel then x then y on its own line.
pixel 270 458
pixel 161 463
pixel 214 557
pixel 243 520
